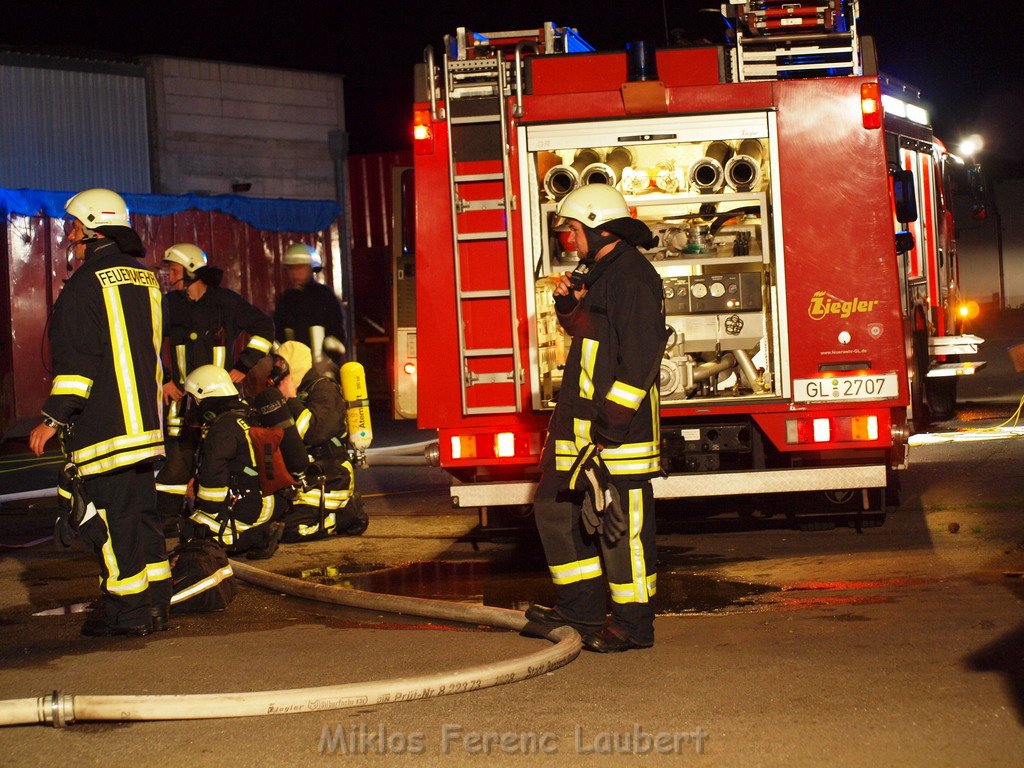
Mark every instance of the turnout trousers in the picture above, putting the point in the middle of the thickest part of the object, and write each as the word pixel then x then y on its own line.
pixel 321 512
pixel 127 537
pixel 578 562
pixel 179 467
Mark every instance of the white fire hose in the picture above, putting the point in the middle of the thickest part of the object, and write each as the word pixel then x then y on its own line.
pixel 413 455
pixel 60 709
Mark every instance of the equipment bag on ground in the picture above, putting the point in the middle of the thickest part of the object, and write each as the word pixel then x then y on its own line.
pixel 202 577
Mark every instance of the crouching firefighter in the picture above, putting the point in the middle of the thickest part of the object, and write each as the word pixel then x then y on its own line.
pixel 328 503
pixel 230 505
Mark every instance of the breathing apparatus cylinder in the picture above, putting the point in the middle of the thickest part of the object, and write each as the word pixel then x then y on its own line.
pixel 353 387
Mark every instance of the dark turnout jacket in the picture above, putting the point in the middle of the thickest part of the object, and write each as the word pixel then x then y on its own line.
pixel 609 392
pixel 204 331
pixel 299 309
pixel 105 337
pixel 228 495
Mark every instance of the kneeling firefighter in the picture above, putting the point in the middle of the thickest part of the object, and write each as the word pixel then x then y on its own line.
pixel 230 505
pixel 328 504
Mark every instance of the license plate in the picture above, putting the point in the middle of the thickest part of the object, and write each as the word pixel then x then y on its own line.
pixel 878 386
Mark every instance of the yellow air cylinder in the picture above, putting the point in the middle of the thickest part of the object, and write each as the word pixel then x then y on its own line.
pixel 357 401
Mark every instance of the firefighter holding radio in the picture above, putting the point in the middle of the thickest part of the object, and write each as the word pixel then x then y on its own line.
pixel 594 505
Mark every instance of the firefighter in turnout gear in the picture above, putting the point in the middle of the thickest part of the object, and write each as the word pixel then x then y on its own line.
pixel 309 304
pixel 603 439
pixel 105 336
pixel 203 323
pixel 329 504
pixel 230 507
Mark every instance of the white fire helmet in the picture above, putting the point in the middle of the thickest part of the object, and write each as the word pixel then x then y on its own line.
pixel 300 253
pixel 209 381
pixel 190 256
pixel 98 208
pixel 593 205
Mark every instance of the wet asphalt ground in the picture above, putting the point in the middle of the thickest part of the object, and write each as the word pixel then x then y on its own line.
pixel 899 645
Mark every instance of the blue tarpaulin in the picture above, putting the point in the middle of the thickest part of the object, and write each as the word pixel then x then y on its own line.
pixel 273 214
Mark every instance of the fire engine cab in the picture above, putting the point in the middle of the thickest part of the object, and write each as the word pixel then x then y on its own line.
pixel 806 250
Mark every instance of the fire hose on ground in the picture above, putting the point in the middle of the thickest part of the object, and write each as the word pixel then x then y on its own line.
pixel 413 454
pixel 60 709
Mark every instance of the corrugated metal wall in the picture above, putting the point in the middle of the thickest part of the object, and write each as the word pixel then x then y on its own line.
pixel 34 267
pixel 71 130
pixel 372 228
pixel 370 188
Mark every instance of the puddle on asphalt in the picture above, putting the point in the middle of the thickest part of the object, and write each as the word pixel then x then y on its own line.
pixel 484 583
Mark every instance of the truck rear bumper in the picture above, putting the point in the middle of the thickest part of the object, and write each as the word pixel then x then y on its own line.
pixel 695 484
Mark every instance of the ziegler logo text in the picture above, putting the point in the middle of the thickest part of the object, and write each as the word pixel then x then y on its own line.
pixel 823 305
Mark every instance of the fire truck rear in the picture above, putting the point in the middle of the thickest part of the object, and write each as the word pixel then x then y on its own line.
pixel 805 249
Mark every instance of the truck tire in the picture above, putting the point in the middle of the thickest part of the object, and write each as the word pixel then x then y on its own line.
pixel 941 393
pixel 919 341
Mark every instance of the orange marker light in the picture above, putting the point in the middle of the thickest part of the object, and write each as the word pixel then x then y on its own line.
pixel 463 446
pixel 871 105
pixel 422 132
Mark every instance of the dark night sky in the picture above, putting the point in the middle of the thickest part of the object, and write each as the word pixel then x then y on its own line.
pixel 967 63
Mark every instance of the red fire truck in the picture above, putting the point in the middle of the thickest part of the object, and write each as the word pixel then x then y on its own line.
pixel 806 250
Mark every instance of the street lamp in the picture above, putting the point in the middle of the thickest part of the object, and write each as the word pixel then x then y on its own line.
pixel 971 146
pixel 983 201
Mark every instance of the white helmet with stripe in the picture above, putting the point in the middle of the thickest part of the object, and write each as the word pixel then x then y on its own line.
pixel 98 208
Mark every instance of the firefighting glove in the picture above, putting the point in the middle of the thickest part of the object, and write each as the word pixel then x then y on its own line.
pixel 601 511
pixel 591 519
pixel 611 522
pixel 615 523
pixel 586 474
pixel 73 506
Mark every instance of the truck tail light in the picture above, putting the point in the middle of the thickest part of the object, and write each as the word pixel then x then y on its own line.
pixel 808 430
pixel 864 428
pixel 488 446
pixel 504 445
pixel 871 105
pixel 842 429
pixel 463 446
pixel 422 132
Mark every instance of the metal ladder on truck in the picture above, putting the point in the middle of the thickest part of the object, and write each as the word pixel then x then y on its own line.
pixel 476 73
pixel 777 41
